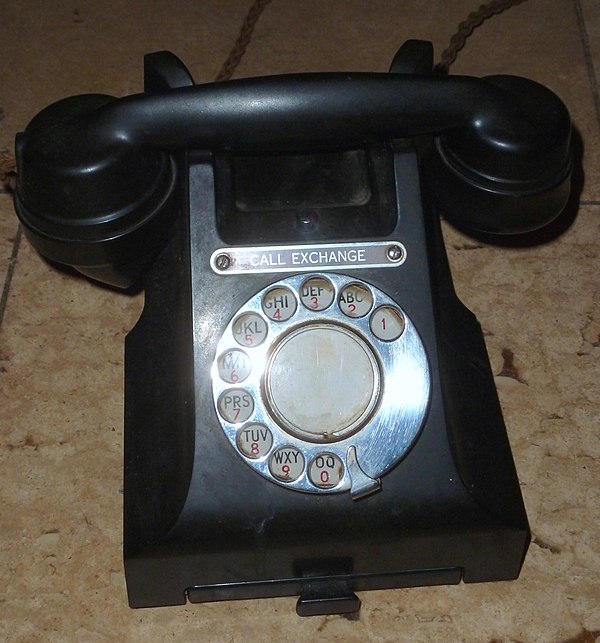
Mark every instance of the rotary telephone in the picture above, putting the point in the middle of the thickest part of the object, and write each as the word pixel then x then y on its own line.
pixel 309 408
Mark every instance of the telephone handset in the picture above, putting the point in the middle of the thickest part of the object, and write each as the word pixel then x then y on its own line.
pixel 309 409
pixel 97 175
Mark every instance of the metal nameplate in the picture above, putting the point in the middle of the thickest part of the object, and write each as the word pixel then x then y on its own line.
pixel 299 258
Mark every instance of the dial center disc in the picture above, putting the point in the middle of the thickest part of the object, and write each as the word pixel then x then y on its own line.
pixel 322 382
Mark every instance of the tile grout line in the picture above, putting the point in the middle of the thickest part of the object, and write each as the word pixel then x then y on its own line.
pixel 589 63
pixel 12 262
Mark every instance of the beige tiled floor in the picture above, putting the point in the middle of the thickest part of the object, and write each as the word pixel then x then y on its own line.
pixel 61 338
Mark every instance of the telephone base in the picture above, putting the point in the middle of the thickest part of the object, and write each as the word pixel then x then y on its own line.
pixel 201 525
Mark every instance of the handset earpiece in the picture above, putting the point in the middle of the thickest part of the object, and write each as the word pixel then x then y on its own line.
pixel 100 208
pixel 510 172
pixel 97 181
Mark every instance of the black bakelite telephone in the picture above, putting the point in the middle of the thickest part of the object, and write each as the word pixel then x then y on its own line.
pixel 309 409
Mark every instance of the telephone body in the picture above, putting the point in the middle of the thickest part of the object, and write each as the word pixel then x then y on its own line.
pixel 309 408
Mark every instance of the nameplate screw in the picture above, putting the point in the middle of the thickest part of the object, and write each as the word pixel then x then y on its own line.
pixel 395 253
pixel 222 261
